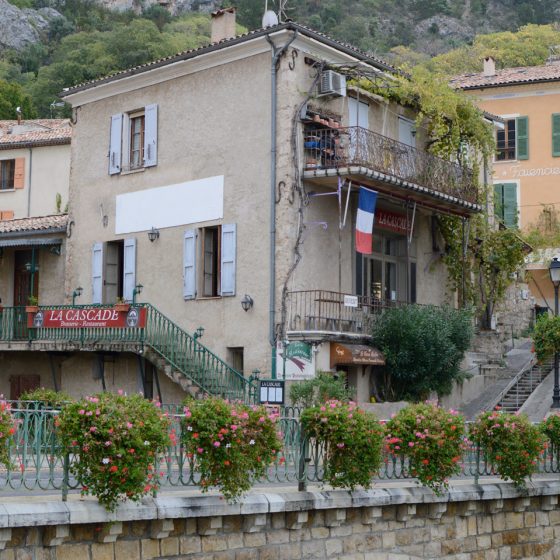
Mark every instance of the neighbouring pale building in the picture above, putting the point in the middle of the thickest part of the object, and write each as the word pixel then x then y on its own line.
pixel 218 188
pixel 34 183
pixel 526 167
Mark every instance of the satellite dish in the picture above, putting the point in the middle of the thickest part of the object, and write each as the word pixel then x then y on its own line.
pixel 269 19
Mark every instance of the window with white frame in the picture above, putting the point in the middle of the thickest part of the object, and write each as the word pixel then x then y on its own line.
pixel 133 140
pixel 209 262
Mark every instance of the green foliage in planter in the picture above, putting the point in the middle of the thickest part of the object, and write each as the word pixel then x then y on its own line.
pixel 352 438
pixel 551 429
pixel 229 444
pixel 8 427
pixel 47 397
pixel 432 439
pixel 510 443
pixel 546 336
pixel 116 440
pixel 423 348
pixel 325 387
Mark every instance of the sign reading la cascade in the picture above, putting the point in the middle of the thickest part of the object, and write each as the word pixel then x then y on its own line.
pixel 98 317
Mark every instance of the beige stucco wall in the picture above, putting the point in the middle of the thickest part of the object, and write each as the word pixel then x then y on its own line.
pixel 203 130
pixel 47 172
pixel 538 102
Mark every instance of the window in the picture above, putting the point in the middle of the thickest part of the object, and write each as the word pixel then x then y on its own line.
pixel 209 262
pixel 11 174
pixel 113 271
pixel 235 358
pixel 505 203
pixel 513 140
pixel 407 132
pixel 556 134
pixel 133 140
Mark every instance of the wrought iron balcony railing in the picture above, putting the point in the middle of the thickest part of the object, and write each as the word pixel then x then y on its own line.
pixel 322 310
pixel 356 146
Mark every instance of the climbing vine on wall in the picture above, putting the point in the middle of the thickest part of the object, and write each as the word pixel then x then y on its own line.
pixel 480 259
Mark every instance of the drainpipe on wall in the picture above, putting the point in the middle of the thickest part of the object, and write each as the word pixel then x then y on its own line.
pixel 277 52
pixel 29 186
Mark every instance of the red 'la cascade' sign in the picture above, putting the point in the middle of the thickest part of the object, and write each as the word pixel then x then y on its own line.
pixel 391 221
pixel 97 317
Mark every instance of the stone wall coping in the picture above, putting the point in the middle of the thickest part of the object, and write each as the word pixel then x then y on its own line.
pixel 35 512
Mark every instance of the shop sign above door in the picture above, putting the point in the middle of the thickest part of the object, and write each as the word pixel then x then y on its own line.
pixel 97 317
pixel 355 354
pixel 392 221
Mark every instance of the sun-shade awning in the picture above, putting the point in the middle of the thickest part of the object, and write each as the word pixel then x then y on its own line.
pixel 30 242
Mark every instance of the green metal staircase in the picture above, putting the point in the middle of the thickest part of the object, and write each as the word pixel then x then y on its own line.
pixel 164 343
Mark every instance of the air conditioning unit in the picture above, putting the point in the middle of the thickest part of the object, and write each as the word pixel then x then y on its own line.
pixel 332 83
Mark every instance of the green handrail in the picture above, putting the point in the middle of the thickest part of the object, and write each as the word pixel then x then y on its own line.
pixel 178 348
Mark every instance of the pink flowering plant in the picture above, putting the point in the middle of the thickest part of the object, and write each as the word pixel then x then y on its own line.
pixel 352 440
pixel 551 429
pixel 8 427
pixel 229 444
pixel 432 439
pixel 510 443
pixel 113 441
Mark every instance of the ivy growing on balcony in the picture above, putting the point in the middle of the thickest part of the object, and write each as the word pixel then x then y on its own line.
pixel 479 258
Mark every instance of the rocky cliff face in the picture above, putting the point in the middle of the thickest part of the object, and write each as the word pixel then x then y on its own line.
pixel 20 28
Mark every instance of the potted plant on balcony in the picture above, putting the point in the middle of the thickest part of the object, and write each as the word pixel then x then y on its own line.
pixel 122 306
pixel 32 305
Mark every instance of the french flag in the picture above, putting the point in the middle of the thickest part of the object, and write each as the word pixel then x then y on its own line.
pixel 364 220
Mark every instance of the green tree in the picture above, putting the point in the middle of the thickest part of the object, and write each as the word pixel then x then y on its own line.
pixel 11 97
pixel 423 348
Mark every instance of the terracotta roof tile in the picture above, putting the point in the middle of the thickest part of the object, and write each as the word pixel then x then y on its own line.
pixel 40 132
pixel 290 25
pixel 40 223
pixel 508 76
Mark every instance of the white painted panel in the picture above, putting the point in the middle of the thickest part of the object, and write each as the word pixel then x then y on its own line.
pixel 407 134
pixel 174 205
pixel 228 259
pixel 115 144
pixel 97 273
pixel 358 113
pixel 129 269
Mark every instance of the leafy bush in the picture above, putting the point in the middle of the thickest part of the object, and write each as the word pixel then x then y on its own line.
pixel 47 397
pixel 352 438
pixel 8 428
pixel 325 387
pixel 116 439
pixel 546 336
pixel 423 348
pixel 229 444
pixel 432 439
pixel 551 429
pixel 510 443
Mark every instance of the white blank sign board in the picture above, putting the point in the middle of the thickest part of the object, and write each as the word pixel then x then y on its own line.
pixel 174 205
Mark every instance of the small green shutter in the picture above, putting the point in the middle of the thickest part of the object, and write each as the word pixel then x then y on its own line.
pixel 505 203
pixel 522 137
pixel 556 134
pixel 499 201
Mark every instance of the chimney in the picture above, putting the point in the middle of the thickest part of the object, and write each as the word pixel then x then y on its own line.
pixel 223 24
pixel 489 66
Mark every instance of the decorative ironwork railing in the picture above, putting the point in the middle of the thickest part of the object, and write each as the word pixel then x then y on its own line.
pixel 356 146
pixel 179 349
pixel 38 462
pixel 322 310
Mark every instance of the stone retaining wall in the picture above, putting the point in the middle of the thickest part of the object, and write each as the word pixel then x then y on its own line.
pixel 488 521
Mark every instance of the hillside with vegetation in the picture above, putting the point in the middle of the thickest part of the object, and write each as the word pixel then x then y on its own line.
pixel 60 43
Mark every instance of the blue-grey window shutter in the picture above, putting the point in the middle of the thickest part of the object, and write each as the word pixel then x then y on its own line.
pixel 189 264
pixel 97 273
pixel 129 268
pixel 228 260
pixel 150 135
pixel 115 144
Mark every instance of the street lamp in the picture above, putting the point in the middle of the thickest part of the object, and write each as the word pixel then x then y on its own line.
pixel 76 293
pixel 137 290
pixel 554 271
pixel 198 333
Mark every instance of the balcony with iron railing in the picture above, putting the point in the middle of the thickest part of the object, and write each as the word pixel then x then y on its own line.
pixel 388 164
pixel 324 311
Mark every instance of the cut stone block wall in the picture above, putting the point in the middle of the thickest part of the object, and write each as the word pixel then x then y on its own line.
pixel 470 522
